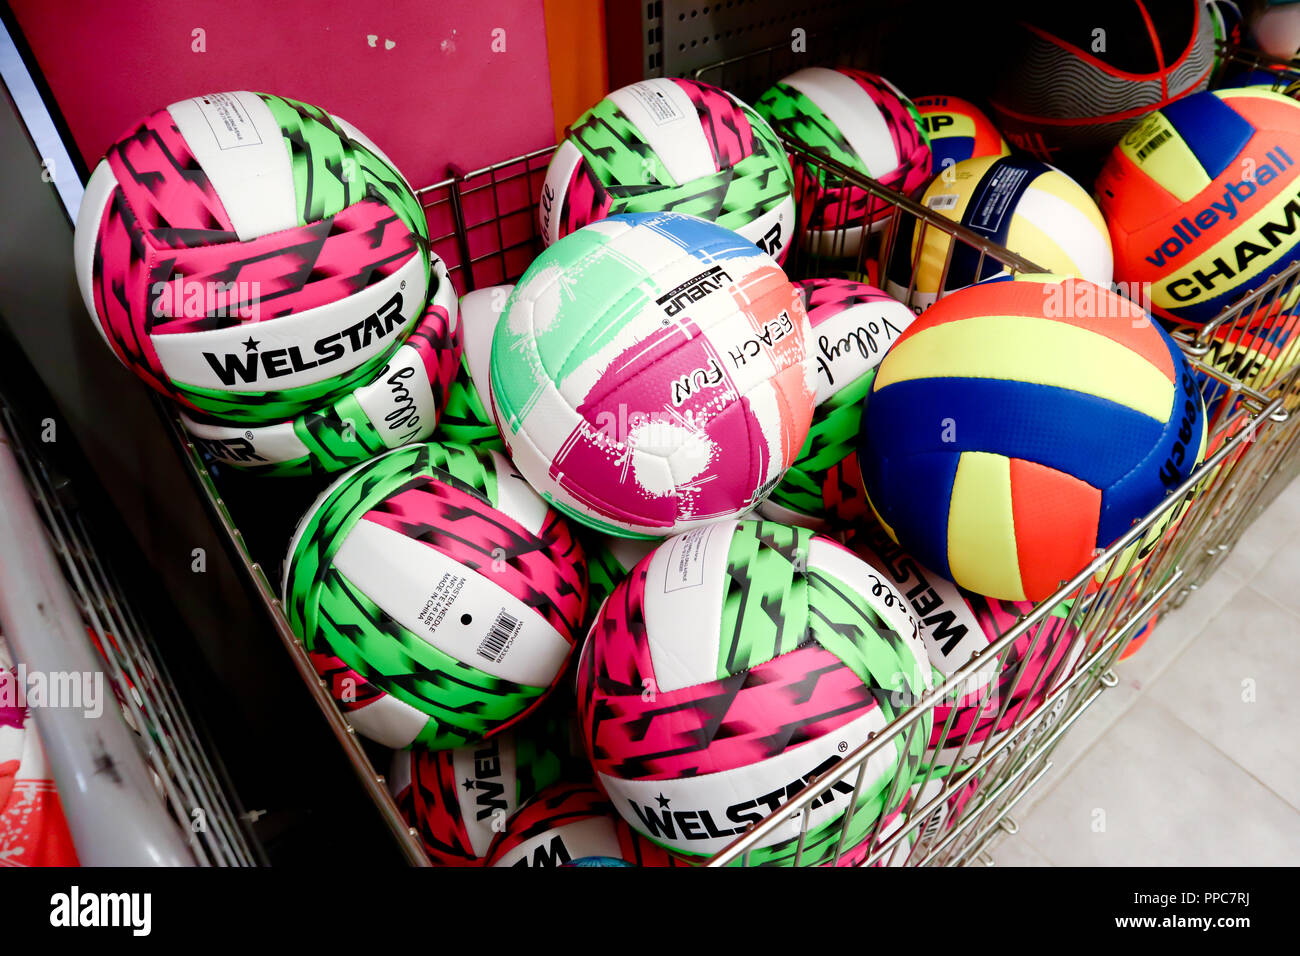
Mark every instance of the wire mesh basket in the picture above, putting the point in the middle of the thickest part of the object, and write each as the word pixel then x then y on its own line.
pixel 483 226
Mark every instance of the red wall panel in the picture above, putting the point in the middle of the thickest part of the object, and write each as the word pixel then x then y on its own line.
pixel 440 93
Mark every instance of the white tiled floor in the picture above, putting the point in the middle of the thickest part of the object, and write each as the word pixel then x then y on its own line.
pixel 1193 758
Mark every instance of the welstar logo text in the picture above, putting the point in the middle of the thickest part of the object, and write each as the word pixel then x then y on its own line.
pixel 660 820
pixel 256 363
pixel 489 789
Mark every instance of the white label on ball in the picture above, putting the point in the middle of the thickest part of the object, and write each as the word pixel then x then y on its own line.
pixel 236 141
pixel 459 611
pixel 666 118
pixel 231 126
pixel 656 103
pixel 685 565
pixel 683 598
pixel 995 200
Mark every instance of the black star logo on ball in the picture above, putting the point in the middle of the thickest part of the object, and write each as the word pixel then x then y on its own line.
pixel 662 800
pixel 469 783
pixel 251 344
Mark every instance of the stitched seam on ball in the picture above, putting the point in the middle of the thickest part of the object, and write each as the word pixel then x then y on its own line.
pixel 808 642
pixel 1173 417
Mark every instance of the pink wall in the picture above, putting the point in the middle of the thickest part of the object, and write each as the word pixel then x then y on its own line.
pixel 440 94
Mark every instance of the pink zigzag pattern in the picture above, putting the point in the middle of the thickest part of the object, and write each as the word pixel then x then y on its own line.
pixel 725 125
pixel 717 725
pixel 293 270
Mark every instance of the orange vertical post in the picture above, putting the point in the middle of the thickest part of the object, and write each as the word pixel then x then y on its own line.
pixel 575 47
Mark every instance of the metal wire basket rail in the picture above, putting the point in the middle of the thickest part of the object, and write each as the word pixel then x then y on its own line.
pixel 483 226
pixel 1108 601
pixel 137 785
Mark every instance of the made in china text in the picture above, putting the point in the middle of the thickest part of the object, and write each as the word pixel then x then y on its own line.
pixel 231 367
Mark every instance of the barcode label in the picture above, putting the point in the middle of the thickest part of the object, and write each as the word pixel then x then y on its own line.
pixel 1153 142
pixel 945 201
pixel 504 628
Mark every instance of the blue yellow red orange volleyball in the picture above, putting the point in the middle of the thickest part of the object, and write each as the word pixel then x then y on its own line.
pixel 1021 424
